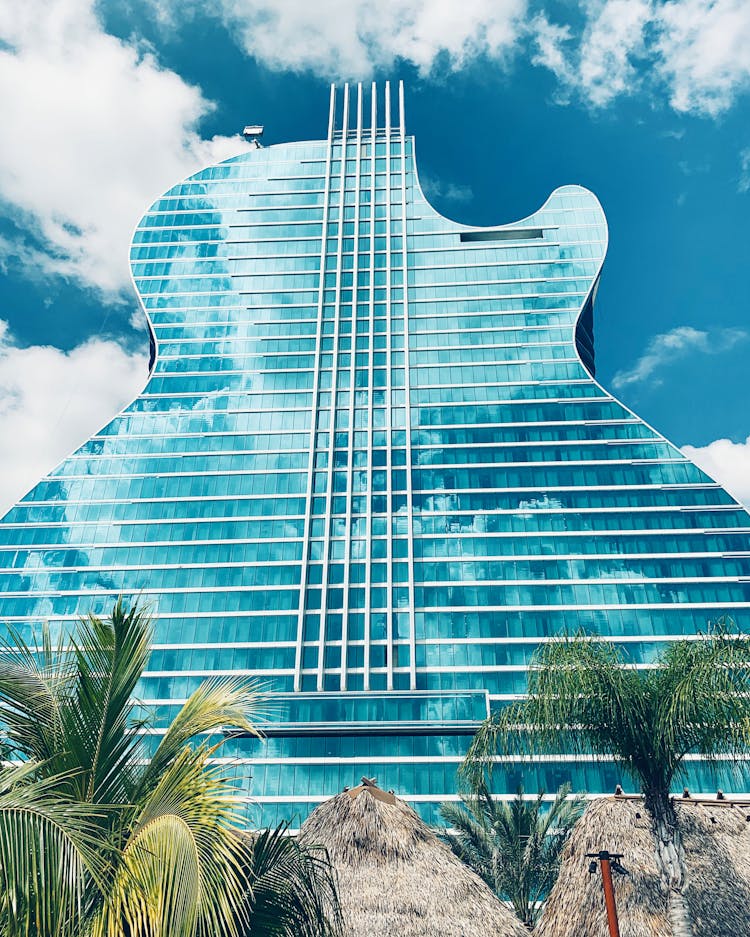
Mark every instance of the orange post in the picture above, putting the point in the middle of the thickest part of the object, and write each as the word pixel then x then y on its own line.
pixel 605 860
pixel 609 895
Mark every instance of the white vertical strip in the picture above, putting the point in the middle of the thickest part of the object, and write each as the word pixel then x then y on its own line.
pixel 314 415
pixel 332 437
pixel 370 381
pixel 407 396
pixel 352 391
pixel 390 650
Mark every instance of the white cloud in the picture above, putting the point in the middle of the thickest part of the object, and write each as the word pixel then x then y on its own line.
pixel 704 52
pixel 694 52
pixel 434 187
pixel 553 45
pixel 669 346
pixel 602 66
pixel 349 38
pixel 726 462
pixel 744 183
pixel 51 401
pixel 93 130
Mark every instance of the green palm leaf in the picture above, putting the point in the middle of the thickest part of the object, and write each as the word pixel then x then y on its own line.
pixel 53 860
pixel 111 656
pixel 293 888
pixel 515 847
pixel 96 841
pixel 222 703
pixel 182 871
pixel 34 683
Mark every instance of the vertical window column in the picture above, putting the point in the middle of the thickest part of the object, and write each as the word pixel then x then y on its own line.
pixel 389 651
pixel 309 609
pixel 351 501
pixel 333 550
pixel 405 160
pixel 370 230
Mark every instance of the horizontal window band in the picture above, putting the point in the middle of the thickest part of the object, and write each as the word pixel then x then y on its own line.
pixel 421 609
pixel 427 427
pixel 237 354
pixel 354 760
pixel 263 260
pixel 601 607
pixel 601 535
pixel 428 642
pixel 415 406
pixel 127 522
pixel 178 590
pixel 304 730
pixel 256 564
pixel 450 759
pixel 449 330
pixel 496 297
pixel 445 558
pixel 168 616
pixel 94 457
pixel 427 466
pixel 422 670
pixel 228 646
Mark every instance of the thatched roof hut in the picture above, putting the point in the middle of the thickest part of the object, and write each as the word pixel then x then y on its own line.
pixel 395 877
pixel 716 840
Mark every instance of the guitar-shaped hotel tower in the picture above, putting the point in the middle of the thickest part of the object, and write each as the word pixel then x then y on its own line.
pixel 372 467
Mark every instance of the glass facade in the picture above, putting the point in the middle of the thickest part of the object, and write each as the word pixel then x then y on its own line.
pixel 372 467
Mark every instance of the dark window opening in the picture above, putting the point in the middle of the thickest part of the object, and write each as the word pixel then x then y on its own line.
pixel 506 234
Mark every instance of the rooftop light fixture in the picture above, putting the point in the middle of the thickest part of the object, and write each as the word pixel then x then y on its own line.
pixel 252 133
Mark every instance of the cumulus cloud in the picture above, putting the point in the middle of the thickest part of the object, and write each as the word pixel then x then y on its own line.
pixel 349 38
pixel 51 401
pixel 670 346
pixel 693 53
pixel 696 53
pixel 93 130
pixel 726 462
pixel 602 65
pixel 703 50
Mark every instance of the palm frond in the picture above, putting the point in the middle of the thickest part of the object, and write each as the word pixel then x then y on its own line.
pixel 34 682
pixel 111 655
pixel 704 693
pixel 583 698
pixel 293 888
pixel 53 861
pixel 471 837
pixel 182 871
pixel 220 703
pixel 514 846
pixel 96 842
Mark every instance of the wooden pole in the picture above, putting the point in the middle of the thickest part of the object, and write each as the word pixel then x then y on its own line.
pixel 605 860
pixel 609 895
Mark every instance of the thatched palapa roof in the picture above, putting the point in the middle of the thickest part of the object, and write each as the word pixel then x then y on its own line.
pixel 395 877
pixel 716 841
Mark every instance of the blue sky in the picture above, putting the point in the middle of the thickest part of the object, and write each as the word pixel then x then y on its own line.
pixel 105 105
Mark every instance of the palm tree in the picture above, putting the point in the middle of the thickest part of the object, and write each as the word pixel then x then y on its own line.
pixel 515 847
pixel 293 888
pixel 98 836
pixel 585 696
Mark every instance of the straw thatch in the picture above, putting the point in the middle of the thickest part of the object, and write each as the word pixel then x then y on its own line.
pixel 716 841
pixel 395 877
